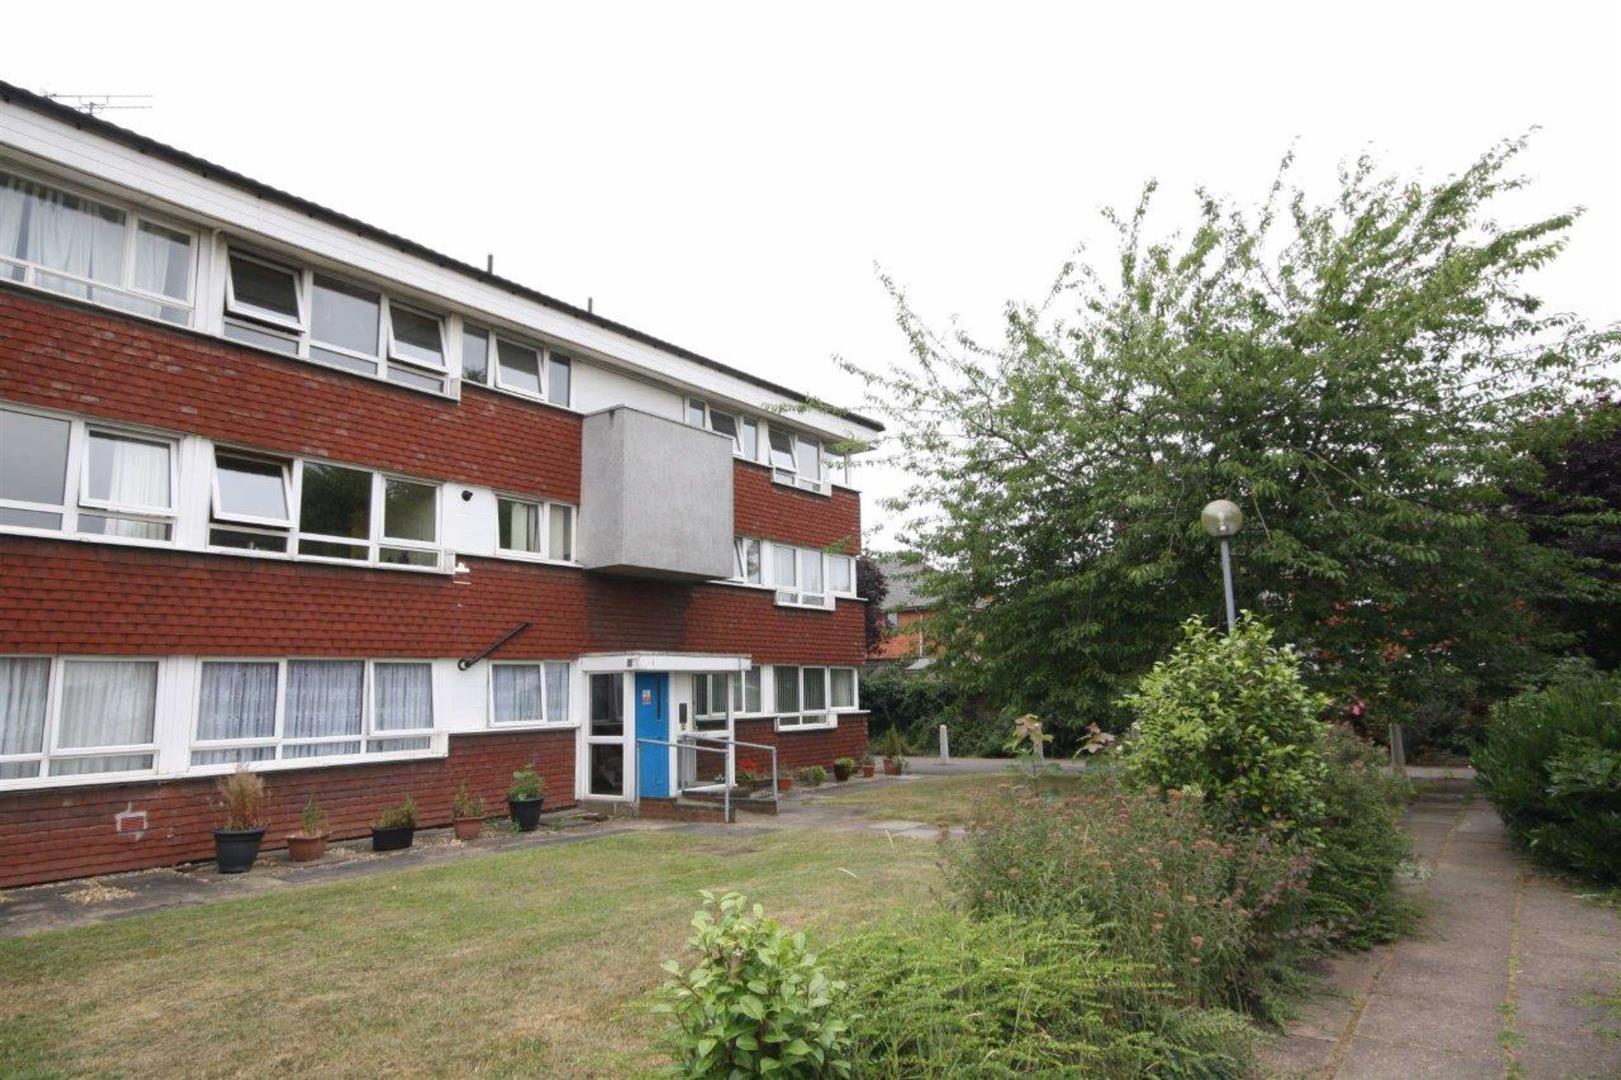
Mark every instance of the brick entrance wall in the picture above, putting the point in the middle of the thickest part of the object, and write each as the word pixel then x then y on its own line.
pixel 75 832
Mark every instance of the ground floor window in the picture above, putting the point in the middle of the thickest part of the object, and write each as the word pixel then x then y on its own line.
pixel 534 693
pixel 69 717
pixel 265 710
pixel 812 696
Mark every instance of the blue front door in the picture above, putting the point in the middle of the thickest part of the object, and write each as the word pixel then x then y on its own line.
pixel 653 722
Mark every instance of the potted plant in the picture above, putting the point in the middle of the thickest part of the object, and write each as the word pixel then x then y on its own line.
pixel 396 827
pixel 813 775
pixel 236 843
pixel 467 814
pixel 894 752
pixel 843 768
pixel 525 797
pixel 309 842
pixel 785 783
pixel 867 765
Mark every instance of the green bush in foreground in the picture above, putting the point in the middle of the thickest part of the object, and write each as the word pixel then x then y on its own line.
pixel 948 996
pixel 1228 715
pixel 757 1003
pixel 1551 764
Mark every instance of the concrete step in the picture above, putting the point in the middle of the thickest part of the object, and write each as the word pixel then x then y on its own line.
pixel 747 802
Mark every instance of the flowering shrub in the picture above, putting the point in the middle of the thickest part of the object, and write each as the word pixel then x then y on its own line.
pixel 1228 715
pixel 757 1003
pixel 1163 884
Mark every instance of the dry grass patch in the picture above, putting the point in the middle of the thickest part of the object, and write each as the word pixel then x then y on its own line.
pixel 523 963
pixel 949 800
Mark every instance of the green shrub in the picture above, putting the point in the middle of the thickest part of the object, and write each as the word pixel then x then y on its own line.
pixel 466 804
pixel 399 817
pixel 950 997
pixel 1551 764
pixel 312 820
pixel 1163 884
pixel 757 1003
pixel 1228 715
pixel 1352 897
pixel 813 776
pixel 526 784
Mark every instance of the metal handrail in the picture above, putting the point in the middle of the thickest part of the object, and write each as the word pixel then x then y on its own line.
pixel 691 738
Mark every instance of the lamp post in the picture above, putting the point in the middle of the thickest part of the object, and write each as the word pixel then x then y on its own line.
pixel 1222 519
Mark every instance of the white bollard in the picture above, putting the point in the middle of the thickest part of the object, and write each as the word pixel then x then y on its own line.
pixel 945 744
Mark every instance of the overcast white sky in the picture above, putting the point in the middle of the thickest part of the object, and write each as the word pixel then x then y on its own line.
pixel 726 176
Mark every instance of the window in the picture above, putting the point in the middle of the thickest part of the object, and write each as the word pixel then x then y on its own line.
pixel 746 560
pixel 518 367
pixel 544 530
pixel 252 500
pixel 608 705
pixel 744 431
pixel 126 483
pixel 802 697
pixel 746 692
pixel 841 574
pixel 410 523
pixel 76 717
pixel 269 710
pixel 842 687
pixel 334 513
pixel 797 460
pixel 798 576
pixel 298 312
pixel 709 696
pixel 53 239
pixel 529 693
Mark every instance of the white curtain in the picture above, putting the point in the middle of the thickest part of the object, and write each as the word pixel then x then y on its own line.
pixel 810 460
pixel 13 209
pixel 162 261
pixel 557 692
pixel 403 697
pixel 815 689
pixel 523 526
pixel 812 566
pixel 561 520
pixel 517 692
pixel 844 688
pixel 23 685
pixel 324 697
pixel 77 237
pixel 106 703
pixel 131 472
pixel 238 701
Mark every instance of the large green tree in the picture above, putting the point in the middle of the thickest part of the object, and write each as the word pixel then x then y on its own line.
pixel 1350 373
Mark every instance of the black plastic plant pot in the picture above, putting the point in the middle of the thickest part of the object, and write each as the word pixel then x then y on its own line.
pixel 235 849
pixel 394 838
pixel 526 812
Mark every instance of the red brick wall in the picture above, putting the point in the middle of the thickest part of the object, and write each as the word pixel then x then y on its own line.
pixel 63 597
pixel 798 749
pixel 777 512
pixel 70 832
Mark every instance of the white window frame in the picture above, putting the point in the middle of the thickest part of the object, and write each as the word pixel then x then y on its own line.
pixel 829 559
pixel 790 476
pixel 711 714
pixel 133 219
pixel 546 722
pixel 51 751
pixel 740 549
pixel 740 693
pixel 547 509
pixel 793 594
pixel 216 508
pixel 76 498
pixel 800 719
pixel 368 734
pixel 544 356
pixel 855 689
pixel 740 420
pixel 300 334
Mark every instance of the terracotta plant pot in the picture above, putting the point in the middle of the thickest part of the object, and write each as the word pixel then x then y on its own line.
pixel 235 849
pixel 468 828
pixel 892 766
pixel 784 784
pixel 306 848
pixel 867 769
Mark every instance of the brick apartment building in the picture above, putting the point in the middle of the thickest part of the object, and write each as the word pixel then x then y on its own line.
pixel 278 488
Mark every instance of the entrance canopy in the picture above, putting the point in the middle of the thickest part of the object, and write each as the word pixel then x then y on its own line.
pixel 657 661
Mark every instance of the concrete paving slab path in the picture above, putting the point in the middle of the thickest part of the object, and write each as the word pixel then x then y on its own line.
pixel 1499 980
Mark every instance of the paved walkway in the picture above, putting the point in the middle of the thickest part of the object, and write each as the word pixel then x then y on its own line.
pixel 1497 982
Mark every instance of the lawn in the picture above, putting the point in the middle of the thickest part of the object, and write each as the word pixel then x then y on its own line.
pixel 534 962
pixel 948 799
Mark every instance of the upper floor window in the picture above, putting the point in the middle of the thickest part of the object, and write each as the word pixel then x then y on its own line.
pixel 746 564
pixel 797 574
pixel 67 243
pixel 343 513
pixel 299 312
pixel 124 483
pixel 492 359
pixel 744 431
pixel 544 530
pixel 797 460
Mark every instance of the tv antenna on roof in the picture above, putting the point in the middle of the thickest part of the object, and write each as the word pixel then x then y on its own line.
pixel 99 103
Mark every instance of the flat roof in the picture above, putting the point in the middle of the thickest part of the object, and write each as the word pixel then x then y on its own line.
pixel 12 94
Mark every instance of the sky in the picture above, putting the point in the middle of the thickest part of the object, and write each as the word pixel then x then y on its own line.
pixel 731 177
